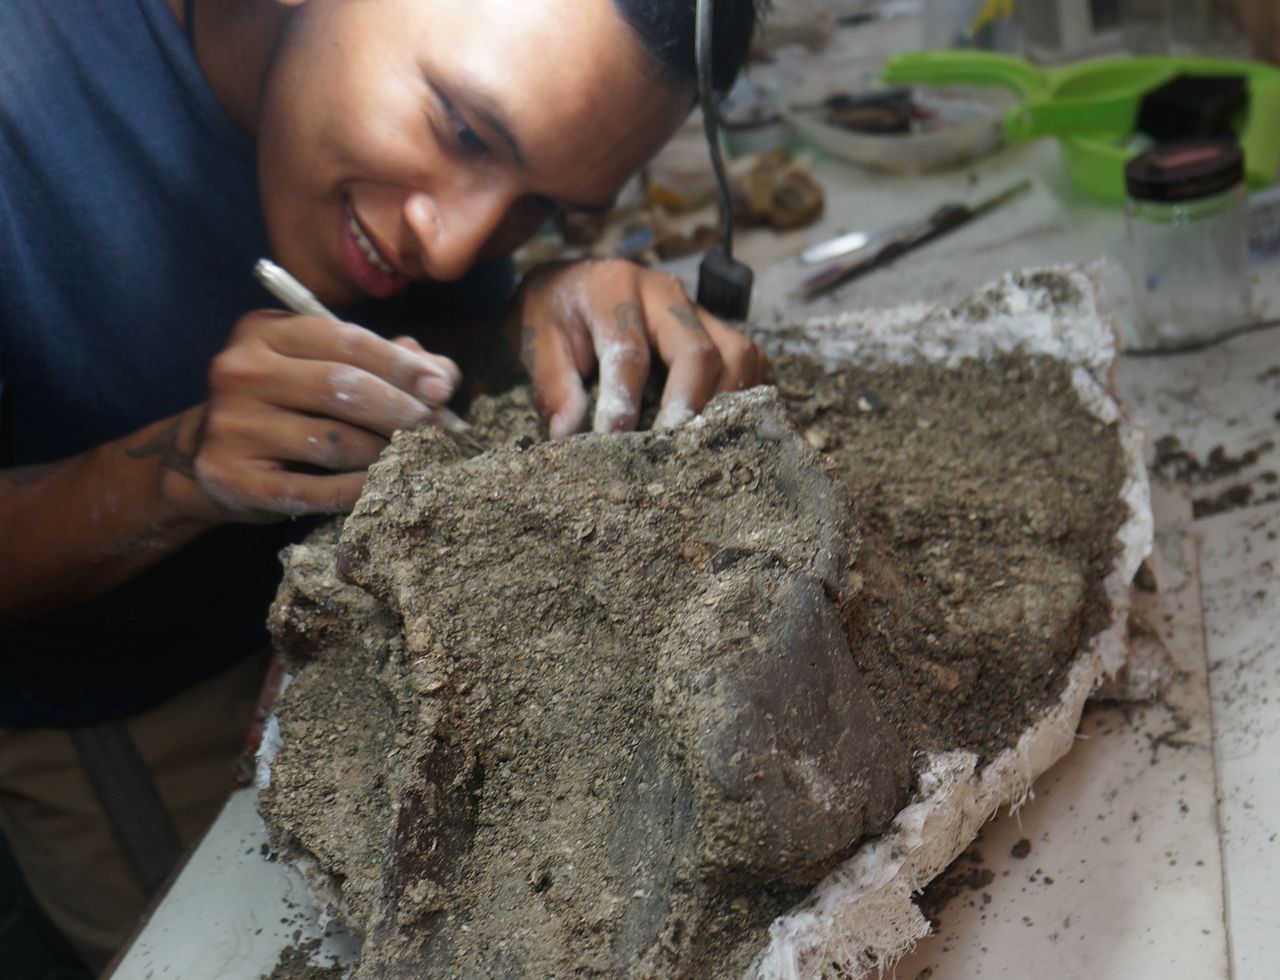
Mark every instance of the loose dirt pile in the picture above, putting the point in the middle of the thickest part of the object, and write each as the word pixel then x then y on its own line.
pixel 988 502
pixel 607 707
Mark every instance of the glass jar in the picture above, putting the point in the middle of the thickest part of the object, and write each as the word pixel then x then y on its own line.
pixel 1188 230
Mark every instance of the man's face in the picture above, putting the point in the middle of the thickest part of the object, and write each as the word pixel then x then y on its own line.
pixel 404 139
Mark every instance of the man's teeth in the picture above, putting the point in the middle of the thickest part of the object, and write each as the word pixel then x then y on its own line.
pixel 366 246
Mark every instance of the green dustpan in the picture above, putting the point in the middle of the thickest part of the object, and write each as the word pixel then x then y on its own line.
pixel 1092 107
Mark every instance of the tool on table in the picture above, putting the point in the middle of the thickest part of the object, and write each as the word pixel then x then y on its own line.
pixel 1094 107
pixel 302 301
pixel 848 243
pixel 724 285
pixel 904 238
pixel 879 111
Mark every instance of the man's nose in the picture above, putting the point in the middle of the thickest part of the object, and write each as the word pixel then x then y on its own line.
pixel 452 228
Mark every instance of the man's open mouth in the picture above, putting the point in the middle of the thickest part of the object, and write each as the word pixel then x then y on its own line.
pixel 367 248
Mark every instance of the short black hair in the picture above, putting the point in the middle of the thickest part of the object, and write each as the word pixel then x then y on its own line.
pixel 666 31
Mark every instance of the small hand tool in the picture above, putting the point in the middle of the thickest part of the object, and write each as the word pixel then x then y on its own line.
pixel 849 243
pixel 905 238
pixel 302 301
pixel 884 111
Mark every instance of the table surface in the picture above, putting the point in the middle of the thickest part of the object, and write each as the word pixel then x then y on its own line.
pixel 1152 845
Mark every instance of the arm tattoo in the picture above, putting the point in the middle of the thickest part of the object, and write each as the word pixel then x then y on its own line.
pixel 629 319
pixel 165 446
pixel 687 317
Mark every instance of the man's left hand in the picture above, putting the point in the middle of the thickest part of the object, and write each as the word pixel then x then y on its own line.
pixel 611 316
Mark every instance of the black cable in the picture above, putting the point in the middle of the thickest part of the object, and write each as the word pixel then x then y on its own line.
pixel 1200 345
pixel 710 119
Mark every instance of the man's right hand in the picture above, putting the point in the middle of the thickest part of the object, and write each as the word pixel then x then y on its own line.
pixel 298 409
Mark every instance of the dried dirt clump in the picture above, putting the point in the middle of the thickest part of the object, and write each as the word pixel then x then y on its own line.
pixel 608 706
pixel 590 708
pixel 988 500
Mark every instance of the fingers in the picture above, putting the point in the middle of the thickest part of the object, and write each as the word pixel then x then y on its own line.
pixel 335 369
pixel 300 407
pixel 745 365
pixel 694 365
pixel 339 391
pixel 622 347
pixel 322 443
pixel 280 492
pixel 403 364
pixel 625 314
pixel 449 371
pixel 579 317
pixel 704 357
pixel 253 462
pixel 555 366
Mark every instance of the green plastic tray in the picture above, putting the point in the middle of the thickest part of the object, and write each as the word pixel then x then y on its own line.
pixel 1092 107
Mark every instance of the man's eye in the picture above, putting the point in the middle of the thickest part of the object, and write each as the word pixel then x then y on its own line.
pixel 466 139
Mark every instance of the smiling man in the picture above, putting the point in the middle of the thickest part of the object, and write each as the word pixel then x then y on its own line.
pixel 160 424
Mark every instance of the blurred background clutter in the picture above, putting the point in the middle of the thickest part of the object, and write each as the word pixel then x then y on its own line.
pixel 907 89
pixel 807 96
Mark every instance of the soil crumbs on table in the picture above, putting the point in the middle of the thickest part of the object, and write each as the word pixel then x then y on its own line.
pixel 965 875
pixel 295 964
pixel 983 502
pixel 1173 461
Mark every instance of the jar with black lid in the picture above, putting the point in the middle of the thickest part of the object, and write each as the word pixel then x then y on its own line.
pixel 1188 228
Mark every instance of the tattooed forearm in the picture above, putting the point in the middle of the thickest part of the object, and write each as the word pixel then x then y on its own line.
pixel 164 446
pixel 158 445
pixel 184 463
pixel 26 476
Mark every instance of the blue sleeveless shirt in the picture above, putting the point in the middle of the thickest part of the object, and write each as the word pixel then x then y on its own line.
pixel 129 225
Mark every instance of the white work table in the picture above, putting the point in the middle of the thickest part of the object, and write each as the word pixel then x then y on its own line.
pixel 1153 845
